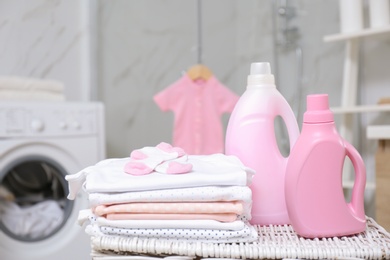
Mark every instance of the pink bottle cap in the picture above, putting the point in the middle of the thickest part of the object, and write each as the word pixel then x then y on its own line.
pixel 317 110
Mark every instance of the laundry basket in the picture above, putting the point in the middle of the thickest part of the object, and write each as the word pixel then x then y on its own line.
pixel 274 242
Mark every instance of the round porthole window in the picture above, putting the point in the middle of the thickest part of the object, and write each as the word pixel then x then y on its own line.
pixel 34 204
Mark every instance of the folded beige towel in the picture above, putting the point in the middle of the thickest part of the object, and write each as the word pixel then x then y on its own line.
pixel 14 88
pixel 29 84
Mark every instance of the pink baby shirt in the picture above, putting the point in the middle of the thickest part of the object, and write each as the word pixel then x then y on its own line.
pixel 198 106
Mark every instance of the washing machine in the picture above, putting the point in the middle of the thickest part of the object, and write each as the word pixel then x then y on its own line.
pixel 40 143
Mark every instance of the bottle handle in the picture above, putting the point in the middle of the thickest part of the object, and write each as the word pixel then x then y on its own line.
pixel 292 127
pixel 357 200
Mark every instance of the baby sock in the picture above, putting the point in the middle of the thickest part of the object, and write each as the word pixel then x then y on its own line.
pixel 175 166
pixel 145 160
pixel 142 167
pixel 163 150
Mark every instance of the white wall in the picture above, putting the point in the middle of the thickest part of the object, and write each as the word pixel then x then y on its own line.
pixel 144 46
pixel 46 39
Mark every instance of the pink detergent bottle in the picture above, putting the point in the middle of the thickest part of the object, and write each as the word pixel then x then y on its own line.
pixel 251 137
pixel 314 191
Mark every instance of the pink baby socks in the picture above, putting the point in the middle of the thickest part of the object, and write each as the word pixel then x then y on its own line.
pixel 163 158
pixel 176 166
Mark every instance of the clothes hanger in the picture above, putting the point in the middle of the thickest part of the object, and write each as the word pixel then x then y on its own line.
pixel 199 70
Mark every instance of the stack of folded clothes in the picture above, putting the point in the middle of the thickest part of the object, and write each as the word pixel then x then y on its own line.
pixel 162 193
pixel 14 88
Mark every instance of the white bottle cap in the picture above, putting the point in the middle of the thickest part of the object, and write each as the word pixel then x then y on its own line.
pixel 260 68
pixel 260 74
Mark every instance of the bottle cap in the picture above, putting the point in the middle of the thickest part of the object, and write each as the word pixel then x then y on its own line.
pixel 317 110
pixel 260 68
pixel 260 74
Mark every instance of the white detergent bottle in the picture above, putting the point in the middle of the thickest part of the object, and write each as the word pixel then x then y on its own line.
pixel 251 137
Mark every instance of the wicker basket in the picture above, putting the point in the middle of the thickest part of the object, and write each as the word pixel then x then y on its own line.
pixel 274 242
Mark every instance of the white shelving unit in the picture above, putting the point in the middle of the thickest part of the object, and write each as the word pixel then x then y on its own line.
pixel 349 104
pixel 361 109
pixel 378 132
pixel 356 35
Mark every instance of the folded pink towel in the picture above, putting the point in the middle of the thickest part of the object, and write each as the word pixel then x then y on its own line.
pixel 223 217
pixel 235 207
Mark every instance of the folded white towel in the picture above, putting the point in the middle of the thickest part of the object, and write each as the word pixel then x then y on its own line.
pixel 28 84
pixel 193 224
pixel 211 234
pixel 208 170
pixel 87 214
pixel 246 234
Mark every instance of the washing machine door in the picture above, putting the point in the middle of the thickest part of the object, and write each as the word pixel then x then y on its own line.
pixel 37 221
